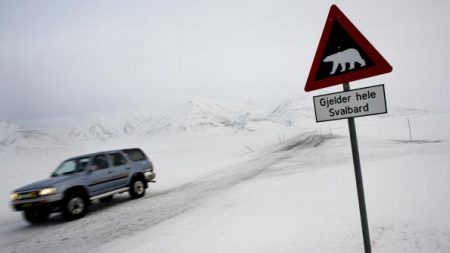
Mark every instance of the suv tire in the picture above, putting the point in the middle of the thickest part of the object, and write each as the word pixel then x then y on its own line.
pixel 74 206
pixel 137 188
pixel 36 216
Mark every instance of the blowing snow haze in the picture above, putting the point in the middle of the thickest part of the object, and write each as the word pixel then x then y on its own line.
pixel 70 57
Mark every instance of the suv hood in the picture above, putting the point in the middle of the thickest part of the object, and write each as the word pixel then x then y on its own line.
pixel 49 182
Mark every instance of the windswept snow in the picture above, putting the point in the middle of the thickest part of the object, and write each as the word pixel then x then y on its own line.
pixel 235 178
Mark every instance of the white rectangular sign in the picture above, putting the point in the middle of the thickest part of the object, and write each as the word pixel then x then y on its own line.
pixel 353 103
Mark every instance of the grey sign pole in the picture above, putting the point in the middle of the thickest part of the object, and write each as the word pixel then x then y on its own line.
pixel 359 180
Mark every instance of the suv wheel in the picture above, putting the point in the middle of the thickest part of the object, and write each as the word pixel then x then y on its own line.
pixel 137 188
pixel 36 216
pixel 74 207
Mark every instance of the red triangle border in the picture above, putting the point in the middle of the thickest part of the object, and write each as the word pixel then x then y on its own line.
pixel 381 66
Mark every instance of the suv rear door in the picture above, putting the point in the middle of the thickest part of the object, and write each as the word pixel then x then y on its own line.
pixel 120 168
pixel 101 178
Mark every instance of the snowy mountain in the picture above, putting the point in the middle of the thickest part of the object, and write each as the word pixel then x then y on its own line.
pixel 7 129
pixel 14 135
pixel 292 111
pixel 203 113
pixel 110 126
pixel 196 115
pixel 199 114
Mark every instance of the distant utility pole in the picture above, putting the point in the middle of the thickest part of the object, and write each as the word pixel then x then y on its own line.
pixel 410 135
pixel 249 148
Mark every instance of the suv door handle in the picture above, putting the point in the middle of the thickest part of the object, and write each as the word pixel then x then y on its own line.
pixel 128 168
pixel 109 172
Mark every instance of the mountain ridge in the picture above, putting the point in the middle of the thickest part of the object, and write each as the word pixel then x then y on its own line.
pixel 198 114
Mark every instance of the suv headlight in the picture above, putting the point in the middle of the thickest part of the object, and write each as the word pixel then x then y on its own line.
pixel 47 191
pixel 14 196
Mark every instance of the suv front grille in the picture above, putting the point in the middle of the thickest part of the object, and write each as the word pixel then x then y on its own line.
pixel 28 195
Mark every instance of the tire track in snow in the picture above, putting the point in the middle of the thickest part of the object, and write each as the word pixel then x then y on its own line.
pixel 107 222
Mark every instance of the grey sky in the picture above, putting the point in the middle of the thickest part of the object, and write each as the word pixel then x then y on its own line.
pixel 69 57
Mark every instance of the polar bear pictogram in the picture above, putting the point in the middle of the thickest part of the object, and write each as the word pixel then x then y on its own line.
pixel 350 56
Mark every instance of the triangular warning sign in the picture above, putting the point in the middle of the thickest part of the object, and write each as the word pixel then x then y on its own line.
pixel 343 55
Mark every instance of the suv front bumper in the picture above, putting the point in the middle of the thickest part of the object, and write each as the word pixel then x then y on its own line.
pixel 50 201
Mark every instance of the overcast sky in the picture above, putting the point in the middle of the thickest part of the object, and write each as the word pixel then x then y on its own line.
pixel 69 57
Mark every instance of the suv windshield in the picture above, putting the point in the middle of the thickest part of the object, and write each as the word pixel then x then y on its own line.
pixel 71 166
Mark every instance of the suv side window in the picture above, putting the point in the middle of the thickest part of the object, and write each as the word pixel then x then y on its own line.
pixel 117 159
pixel 100 161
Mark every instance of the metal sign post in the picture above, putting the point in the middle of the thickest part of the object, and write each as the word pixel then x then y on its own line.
pixel 359 180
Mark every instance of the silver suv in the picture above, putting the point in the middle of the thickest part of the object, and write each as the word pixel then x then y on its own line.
pixel 80 180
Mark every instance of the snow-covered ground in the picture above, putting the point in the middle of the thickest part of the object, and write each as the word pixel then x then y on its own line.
pixel 232 180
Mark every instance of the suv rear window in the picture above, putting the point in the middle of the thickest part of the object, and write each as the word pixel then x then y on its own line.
pixel 135 154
